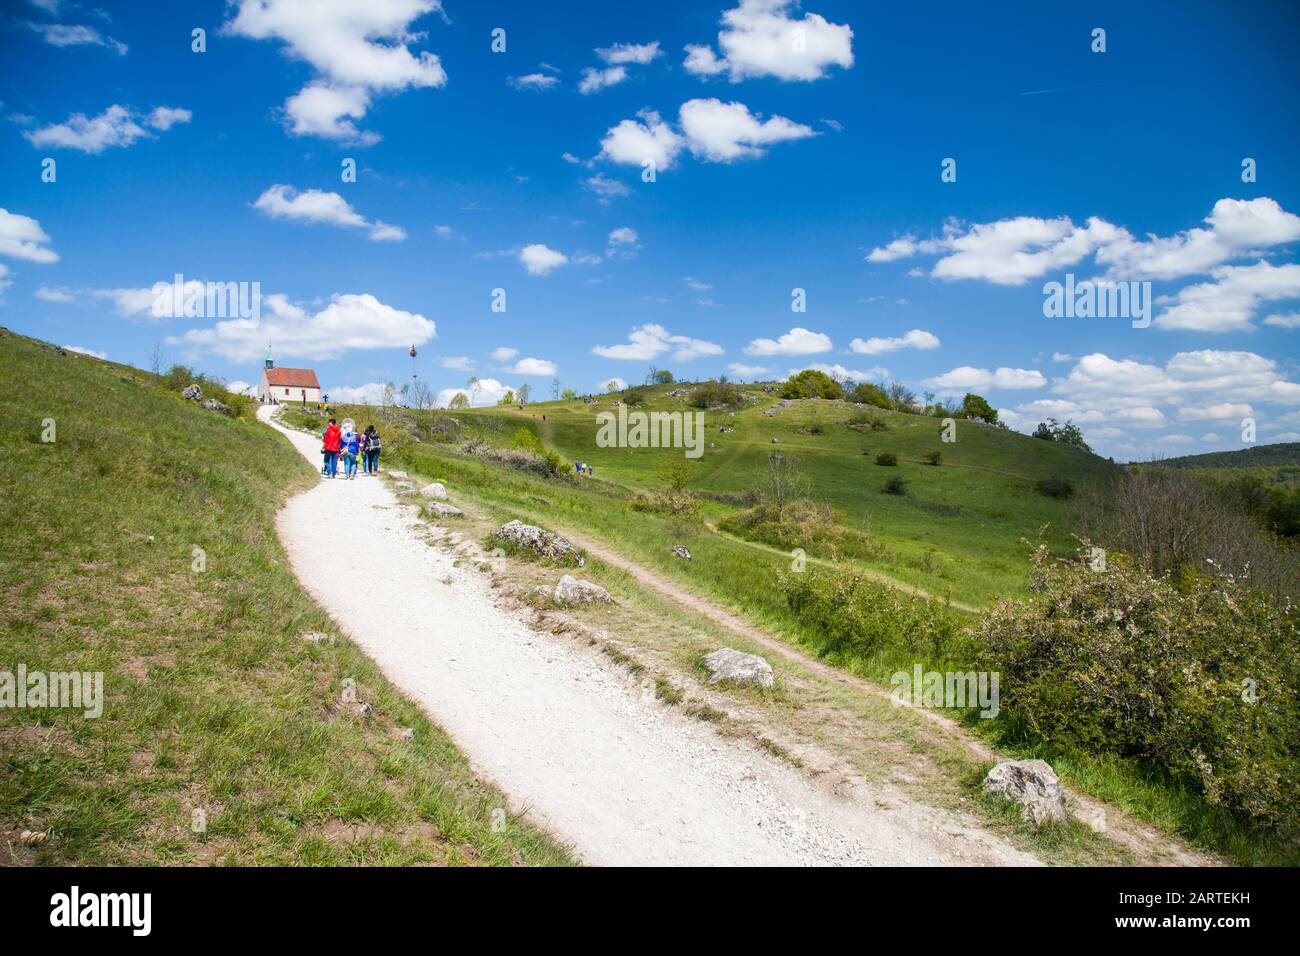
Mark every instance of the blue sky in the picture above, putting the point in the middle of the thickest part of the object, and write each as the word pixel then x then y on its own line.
pixel 794 147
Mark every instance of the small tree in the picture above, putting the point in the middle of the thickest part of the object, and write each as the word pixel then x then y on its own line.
pixel 525 391
pixel 508 398
pixel 568 395
pixel 864 393
pixel 974 406
pixel 458 401
pixel 901 397
pixel 784 480
pixel 661 377
pixel 156 358
pixel 676 473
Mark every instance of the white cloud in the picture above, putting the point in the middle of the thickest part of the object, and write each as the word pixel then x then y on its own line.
pixel 533 366
pixel 1062 357
pixel 349 322
pixel 316 206
pixel 697 284
pixel 46 294
pixel 371 393
pixel 797 341
pixel 116 126
pixel 606 188
pixel 614 384
pixel 639 53
pixel 760 38
pixel 647 341
pixel 165 117
pixel 1289 320
pixel 1222 412
pixel 85 351
pixel 840 373
pixel 1209 437
pixel 1230 302
pixel 634 142
pixel 967 377
pixel 723 132
pixel 593 80
pixel 747 371
pixel 21 237
pixel 487 391
pixel 914 339
pixel 1207 378
pixel 460 363
pixel 540 260
pixel 503 354
pixel 75 34
pixel 357 49
pixel 533 81
pixel 1236 227
pixel 623 242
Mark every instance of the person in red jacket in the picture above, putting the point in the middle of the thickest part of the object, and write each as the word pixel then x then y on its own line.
pixel 331 440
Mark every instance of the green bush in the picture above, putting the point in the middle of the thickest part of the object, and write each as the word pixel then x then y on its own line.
pixel 1199 679
pixel 1056 487
pixel 895 486
pixel 812 525
pixel 934 458
pixel 864 393
pixel 715 394
pixel 887 458
pixel 859 616
pixel 810 383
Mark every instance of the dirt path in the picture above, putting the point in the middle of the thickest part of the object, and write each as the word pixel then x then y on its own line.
pixel 1143 840
pixel 566 733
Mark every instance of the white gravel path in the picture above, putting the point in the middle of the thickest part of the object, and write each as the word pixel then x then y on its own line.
pixel 623 778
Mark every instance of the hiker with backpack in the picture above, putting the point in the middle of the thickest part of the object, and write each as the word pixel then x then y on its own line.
pixel 330 441
pixel 373 445
pixel 349 445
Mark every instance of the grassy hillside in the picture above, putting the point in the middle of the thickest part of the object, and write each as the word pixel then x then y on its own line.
pixel 213 700
pixel 957 530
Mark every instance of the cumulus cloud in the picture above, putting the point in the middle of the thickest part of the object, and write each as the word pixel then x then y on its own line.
pixel 623 242
pixel 533 366
pixel 541 260
pixel 117 126
pixel 21 237
pixel 840 373
pixel 711 130
pixel 486 391
pixel 348 323
pixel 594 80
pixel 968 377
pixel 357 50
pixel 913 339
pixel 503 354
pixel 797 341
pixel 761 38
pixel 316 207
pixel 1230 302
pixel 371 393
pixel 747 371
pixel 648 341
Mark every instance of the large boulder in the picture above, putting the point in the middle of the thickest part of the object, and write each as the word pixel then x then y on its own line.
pixel 573 590
pixel 213 405
pixel 744 670
pixel 439 510
pixel 544 544
pixel 435 489
pixel 192 392
pixel 681 551
pixel 398 475
pixel 1031 783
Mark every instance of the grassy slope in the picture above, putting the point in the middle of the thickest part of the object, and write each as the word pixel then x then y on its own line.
pixel 1285 454
pixel 213 699
pixel 988 474
pixel 744 579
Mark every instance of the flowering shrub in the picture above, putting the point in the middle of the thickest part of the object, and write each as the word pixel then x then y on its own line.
pixel 1199 677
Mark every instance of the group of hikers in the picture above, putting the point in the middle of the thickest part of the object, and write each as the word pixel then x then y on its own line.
pixel 352 446
pixel 584 468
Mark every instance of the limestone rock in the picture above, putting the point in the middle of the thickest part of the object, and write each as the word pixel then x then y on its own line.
pixel 1031 783
pixel 573 590
pixel 436 490
pixel 544 544
pixel 744 670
